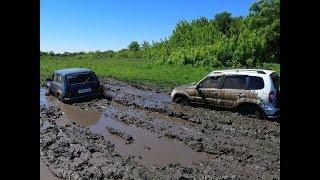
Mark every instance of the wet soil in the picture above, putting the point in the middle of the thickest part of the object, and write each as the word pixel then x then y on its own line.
pixel 45 173
pixel 138 132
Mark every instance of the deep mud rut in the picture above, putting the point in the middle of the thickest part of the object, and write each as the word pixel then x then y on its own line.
pixel 138 133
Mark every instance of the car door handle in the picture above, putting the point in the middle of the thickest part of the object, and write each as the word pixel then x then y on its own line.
pixel 241 95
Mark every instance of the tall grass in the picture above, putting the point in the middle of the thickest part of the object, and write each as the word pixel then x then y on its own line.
pixel 130 70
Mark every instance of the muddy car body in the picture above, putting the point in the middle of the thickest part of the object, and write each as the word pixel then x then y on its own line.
pixel 74 84
pixel 249 91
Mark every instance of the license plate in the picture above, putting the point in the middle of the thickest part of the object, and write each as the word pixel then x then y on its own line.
pixel 84 90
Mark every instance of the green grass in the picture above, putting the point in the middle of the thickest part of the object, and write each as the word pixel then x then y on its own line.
pixel 129 70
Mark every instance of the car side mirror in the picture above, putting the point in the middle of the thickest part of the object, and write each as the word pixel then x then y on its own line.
pixel 48 82
pixel 197 87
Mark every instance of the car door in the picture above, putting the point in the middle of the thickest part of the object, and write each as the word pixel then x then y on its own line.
pixel 233 88
pixel 208 91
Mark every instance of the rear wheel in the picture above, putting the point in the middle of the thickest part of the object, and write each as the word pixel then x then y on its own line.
pixel 180 99
pixel 251 110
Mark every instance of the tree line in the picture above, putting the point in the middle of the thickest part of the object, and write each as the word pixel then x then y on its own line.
pixel 224 40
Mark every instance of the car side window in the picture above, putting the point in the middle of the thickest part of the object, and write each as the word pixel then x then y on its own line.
pixel 55 78
pixel 211 82
pixel 255 83
pixel 235 82
pixel 59 79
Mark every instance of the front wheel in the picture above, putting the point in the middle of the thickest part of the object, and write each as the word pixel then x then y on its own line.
pixel 181 100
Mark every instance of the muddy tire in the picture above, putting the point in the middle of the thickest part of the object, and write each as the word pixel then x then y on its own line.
pixel 48 93
pixel 183 100
pixel 60 98
pixel 251 110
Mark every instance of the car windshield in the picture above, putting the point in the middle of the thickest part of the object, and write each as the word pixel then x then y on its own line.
pixel 80 78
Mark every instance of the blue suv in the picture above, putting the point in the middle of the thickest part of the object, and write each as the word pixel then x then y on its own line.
pixel 74 84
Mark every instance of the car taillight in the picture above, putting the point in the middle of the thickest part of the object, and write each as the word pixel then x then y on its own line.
pixel 271 97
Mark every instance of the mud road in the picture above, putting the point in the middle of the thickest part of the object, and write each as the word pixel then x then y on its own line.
pixel 136 132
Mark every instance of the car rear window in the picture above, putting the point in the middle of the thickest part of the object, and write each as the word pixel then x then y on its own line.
pixel 255 83
pixel 235 82
pixel 80 78
pixel 275 80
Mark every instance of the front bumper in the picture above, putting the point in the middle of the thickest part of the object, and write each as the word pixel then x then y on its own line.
pixel 271 111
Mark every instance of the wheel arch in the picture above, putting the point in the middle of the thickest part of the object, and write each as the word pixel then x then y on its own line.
pixel 179 94
pixel 250 103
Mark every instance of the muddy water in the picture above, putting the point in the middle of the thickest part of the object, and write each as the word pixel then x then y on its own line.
pixel 81 117
pixel 47 100
pixel 148 146
pixel 151 148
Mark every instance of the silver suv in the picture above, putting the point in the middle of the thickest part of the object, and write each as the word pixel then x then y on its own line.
pixel 253 92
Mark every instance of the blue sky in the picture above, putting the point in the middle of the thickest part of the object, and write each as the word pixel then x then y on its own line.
pixel 90 25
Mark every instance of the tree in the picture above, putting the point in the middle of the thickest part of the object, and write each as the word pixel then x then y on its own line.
pixel 223 22
pixel 145 45
pixel 134 46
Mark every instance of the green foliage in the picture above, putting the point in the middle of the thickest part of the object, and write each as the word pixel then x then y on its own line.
pixel 134 46
pixel 223 22
pixel 130 70
pixel 145 45
pixel 133 70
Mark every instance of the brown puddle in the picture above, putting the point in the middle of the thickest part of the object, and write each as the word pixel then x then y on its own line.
pixel 47 100
pixel 81 117
pixel 152 149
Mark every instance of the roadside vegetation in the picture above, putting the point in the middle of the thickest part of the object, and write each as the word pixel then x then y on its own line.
pixel 193 49
pixel 140 71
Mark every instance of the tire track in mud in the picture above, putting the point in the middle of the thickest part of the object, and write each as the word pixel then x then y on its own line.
pixel 240 147
pixel 73 152
pixel 220 133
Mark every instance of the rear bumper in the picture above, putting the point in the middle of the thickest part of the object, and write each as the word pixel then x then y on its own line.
pixel 95 95
pixel 271 111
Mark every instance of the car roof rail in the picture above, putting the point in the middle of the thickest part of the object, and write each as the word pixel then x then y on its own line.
pixel 258 71
pixel 261 72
